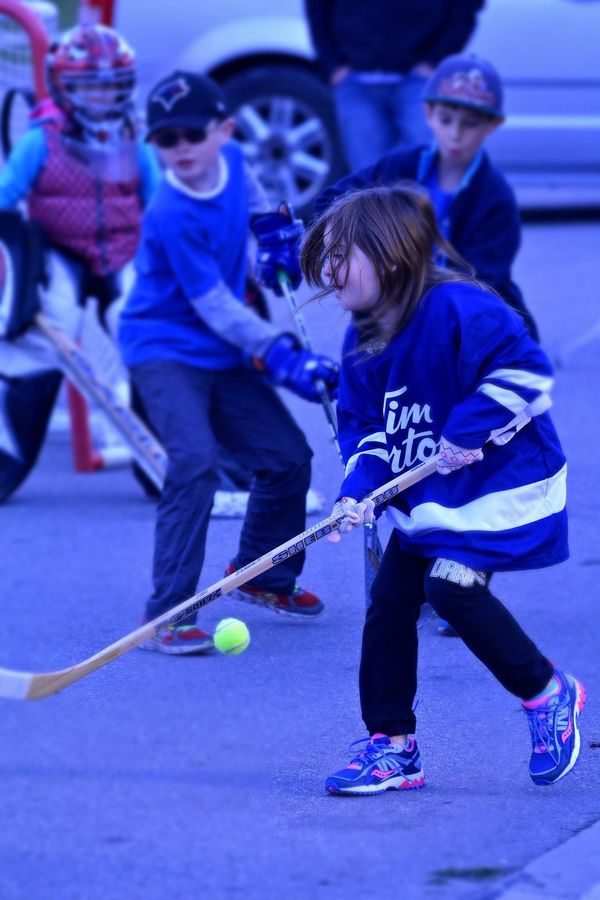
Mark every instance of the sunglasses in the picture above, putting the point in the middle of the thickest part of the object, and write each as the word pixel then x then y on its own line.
pixel 169 138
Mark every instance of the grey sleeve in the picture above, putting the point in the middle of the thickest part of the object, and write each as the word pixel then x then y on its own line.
pixel 258 202
pixel 233 321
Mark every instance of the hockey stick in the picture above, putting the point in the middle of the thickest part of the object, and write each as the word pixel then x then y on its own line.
pixel 148 452
pixel 373 551
pixel 16 685
pixel 146 449
pixel 305 341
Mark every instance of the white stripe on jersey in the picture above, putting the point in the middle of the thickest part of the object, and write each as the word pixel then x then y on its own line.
pixel 497 511
pixel 532 380
pixel 351 464
pixel 504 397
pixel 378 437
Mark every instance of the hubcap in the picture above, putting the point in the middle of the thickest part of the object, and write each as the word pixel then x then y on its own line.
pixel 287 146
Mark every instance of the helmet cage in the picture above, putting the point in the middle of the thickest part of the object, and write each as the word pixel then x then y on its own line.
pixel 91 76
pixel 98 96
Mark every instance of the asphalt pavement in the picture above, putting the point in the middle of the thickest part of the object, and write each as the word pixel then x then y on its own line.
pixel 180 778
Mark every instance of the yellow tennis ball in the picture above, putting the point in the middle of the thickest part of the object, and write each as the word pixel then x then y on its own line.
pixel 231 636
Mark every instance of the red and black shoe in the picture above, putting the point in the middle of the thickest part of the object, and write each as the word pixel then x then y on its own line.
pixel 299 603
pixel 179 640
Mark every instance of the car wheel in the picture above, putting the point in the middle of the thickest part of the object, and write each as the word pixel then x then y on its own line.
pixel 286 126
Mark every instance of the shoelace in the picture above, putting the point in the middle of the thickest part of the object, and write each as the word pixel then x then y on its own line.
pixel 541 724
pixel 368 754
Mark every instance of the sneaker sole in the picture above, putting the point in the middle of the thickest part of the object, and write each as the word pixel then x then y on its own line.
pixel 579 704
pixel 392 784
pixel 254 601
pixel 154 647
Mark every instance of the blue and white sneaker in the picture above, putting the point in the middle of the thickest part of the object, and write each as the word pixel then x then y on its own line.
pixel 554 731
pixel 379 766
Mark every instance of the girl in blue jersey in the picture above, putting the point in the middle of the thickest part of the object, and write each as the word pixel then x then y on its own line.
pixel 433 362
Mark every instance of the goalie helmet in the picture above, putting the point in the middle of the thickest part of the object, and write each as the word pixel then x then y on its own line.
pixel 91 76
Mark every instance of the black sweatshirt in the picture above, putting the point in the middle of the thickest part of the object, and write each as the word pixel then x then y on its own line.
pixel 388 35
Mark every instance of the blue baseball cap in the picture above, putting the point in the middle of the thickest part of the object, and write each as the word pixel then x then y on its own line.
pixel 465 80
pixel 184 100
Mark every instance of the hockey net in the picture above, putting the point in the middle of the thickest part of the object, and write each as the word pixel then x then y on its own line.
pixel 25 31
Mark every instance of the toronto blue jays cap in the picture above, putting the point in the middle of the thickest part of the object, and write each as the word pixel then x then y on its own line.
pixel 184 100
pixel 465 80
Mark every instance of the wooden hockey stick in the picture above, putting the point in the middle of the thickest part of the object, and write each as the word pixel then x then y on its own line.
pixel 146 449
pixel 16 685
pixel 148 452
pixel 373 550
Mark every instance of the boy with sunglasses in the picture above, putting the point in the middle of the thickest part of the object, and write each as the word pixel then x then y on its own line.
pixel 198 357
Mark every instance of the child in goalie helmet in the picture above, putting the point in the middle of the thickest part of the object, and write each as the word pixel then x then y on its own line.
pixel 85 177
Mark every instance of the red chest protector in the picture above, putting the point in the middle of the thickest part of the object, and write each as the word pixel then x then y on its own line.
pixel 88 201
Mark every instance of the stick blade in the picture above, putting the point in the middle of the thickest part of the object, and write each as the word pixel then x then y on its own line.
pixel 15 685
pixel 29 686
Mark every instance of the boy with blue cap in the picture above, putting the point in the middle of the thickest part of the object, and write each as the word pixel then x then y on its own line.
pixel 475 207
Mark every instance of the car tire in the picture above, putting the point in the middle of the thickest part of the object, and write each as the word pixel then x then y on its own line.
pixel 287 128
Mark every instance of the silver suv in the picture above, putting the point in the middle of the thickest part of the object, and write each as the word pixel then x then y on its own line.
pixel 546 51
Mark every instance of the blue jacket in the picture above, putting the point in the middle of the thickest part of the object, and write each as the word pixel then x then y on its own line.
pixel 464 367
pixel 483 219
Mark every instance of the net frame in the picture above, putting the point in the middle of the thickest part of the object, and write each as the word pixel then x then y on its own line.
pixel 26 29
pixel 25 32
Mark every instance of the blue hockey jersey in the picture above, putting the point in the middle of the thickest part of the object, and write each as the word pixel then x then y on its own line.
pixel 466 368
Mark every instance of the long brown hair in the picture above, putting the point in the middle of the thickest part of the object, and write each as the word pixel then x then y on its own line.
pixel 395 228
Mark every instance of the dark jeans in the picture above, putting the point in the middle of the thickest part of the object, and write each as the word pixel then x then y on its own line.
pixel 376 118
pixel 388 669
pixel 193 410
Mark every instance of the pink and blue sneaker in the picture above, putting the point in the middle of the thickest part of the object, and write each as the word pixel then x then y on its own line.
pixel 554 729
pixel 379 766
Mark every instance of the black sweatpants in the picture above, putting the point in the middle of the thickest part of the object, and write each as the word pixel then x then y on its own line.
pixel 461 596
pixel 194 411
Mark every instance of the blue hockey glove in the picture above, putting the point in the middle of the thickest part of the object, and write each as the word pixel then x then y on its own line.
pixel 288 364
pixel 278 235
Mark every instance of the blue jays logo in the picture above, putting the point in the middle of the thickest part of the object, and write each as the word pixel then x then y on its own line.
pixel 168 94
